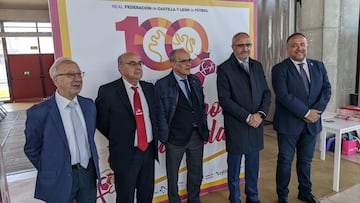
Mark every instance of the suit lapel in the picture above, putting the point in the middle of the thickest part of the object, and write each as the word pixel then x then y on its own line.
pixel 121 91
pixel 86 115
pixel 54 113
pixel 147 94
pixel 312 73
pixel 294 72
pixel 194 87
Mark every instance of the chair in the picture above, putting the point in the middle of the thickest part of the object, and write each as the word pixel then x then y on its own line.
pixel 3 111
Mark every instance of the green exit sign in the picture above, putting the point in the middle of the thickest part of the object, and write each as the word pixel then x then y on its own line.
pixel 26 73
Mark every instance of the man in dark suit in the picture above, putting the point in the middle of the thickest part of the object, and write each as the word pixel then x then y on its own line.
pixel 62 150
pixel 131 132
pixel 302 91
pixel 182 124
pixel 245 98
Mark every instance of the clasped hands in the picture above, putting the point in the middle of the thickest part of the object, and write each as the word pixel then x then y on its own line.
pixel 313 116
pixel 255 120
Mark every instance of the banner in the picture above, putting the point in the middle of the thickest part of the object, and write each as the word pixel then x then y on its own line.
pixel 95 32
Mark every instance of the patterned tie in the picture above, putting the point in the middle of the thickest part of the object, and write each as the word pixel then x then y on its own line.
pixel 82 144
pixel 140 123
pixel 304 77
pixel 188 93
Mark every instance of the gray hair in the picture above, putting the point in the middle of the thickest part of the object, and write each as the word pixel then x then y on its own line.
pixel 53 69
pixel 172 56
pixel 237 34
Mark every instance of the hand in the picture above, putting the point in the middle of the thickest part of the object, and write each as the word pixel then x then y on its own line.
pixel 313 116
pixel 255 120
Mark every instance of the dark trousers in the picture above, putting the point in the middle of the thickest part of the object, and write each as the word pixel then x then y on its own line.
pixel 139 175
pixel 84 184
pixel 251 176
pixel 304 145
pixel 194 156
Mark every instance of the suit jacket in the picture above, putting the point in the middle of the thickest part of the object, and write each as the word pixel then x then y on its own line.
pixel 167 94
pixel 240 94
pixel 47 148
pixel 292 101
pixel 116 120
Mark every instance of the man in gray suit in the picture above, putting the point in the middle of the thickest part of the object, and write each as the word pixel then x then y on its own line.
pixel 245 98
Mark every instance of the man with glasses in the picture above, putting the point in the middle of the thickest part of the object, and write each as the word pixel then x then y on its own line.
pixel 182 124
pixel 245 99
pixel 126 117
pixel 60 139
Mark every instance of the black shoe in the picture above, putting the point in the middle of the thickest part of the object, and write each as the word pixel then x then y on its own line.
pixel 309 199
pixel 249 201
pixel 281 200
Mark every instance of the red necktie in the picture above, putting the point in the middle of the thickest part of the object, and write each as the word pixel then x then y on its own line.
pixel 140 123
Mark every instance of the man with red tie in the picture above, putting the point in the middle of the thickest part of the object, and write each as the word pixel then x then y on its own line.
pixel 126 118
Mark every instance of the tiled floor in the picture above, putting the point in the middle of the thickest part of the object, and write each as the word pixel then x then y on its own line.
pixel 21 185
pixel 17 106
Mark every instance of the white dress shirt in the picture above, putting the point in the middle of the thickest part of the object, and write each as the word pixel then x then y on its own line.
pixel 62 103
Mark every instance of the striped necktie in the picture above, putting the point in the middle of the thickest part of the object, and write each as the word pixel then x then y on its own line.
pixel 304 77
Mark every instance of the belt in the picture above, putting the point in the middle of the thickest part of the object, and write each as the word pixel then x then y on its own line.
pixel 76 166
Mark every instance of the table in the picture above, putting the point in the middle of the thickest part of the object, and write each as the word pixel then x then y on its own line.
pixel 336 126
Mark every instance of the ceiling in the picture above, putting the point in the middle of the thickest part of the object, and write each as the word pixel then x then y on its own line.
pixel 24 4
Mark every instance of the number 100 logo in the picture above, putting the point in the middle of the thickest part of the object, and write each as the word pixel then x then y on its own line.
pixel 155 38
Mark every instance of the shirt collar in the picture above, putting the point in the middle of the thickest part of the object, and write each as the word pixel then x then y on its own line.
pixel 128 85
pixel 62 101
pixel 298 62
pixel 246 60
pixel 178 78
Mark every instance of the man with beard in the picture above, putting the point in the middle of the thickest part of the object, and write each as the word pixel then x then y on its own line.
pixel 302 90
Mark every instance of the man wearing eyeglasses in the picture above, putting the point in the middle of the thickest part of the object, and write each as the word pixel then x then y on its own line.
pixel 60 139
pixel 245 98
pixel 182 124
pixel 126 117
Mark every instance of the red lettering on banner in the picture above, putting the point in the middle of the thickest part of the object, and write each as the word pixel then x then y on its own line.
pixel 216 133
pixel 214 110
pixel 220 133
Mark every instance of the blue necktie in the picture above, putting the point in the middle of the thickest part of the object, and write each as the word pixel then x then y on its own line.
pixel 188 93
pixel 82 144
pixel 304 77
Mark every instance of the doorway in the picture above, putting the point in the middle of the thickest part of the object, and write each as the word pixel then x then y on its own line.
pixel 28 53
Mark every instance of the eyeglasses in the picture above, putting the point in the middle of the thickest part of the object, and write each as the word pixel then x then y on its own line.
pixel 185 61
pixel 72 75
pixel 248 45
pixel 134 63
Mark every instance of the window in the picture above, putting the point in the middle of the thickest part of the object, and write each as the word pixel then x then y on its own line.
pixel 19 27
pixel 28 37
